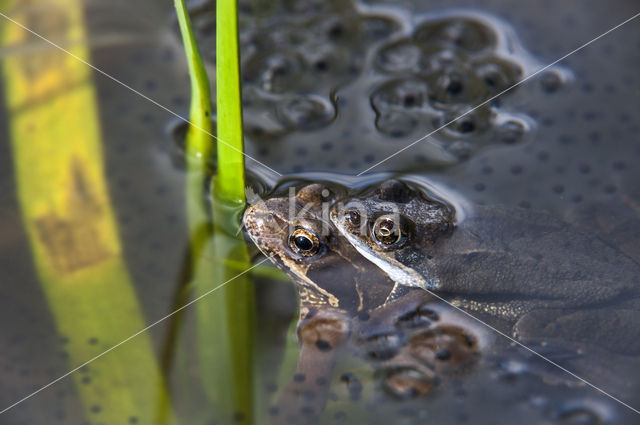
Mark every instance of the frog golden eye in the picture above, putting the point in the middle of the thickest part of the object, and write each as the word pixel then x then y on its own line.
pixel 387 230
pixel 304 242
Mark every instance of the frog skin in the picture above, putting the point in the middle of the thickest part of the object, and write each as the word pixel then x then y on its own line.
pixel 615 220
pixel 502 261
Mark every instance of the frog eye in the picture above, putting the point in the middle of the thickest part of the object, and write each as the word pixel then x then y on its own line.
pixel 352 217
pixel 304 242
pixel 388 230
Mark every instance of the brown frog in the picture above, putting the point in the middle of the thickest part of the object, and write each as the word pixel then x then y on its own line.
pixel 296 233
pixel 528 267
pixel 331 278
pixel 340 291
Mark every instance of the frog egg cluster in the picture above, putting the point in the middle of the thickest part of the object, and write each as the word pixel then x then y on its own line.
pixel 320 78
pixel 423 349
pixel 295 62
pixel 439 73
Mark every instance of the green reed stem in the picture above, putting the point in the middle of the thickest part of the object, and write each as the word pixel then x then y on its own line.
pixel 229 200
pixel 230 181
pixel 199 143
pixel 225 321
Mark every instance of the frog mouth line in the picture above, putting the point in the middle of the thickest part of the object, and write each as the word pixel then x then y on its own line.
pixel 397 272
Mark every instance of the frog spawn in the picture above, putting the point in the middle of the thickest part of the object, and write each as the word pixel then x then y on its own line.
pixel 417 350
pixel 310 69
pixel 440 73
pixel 290 89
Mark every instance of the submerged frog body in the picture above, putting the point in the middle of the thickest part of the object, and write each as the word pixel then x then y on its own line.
pixel 502 261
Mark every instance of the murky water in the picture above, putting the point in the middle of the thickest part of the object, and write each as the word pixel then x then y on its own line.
pixel 330 89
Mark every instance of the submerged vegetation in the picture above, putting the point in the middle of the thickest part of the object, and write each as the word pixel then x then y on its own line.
pixel 71 226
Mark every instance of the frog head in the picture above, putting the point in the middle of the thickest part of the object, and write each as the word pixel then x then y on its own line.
pixel 296 234
pixel 395 226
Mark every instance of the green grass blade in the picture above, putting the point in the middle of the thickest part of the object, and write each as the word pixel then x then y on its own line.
pixel 230 181
pixel 199 143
